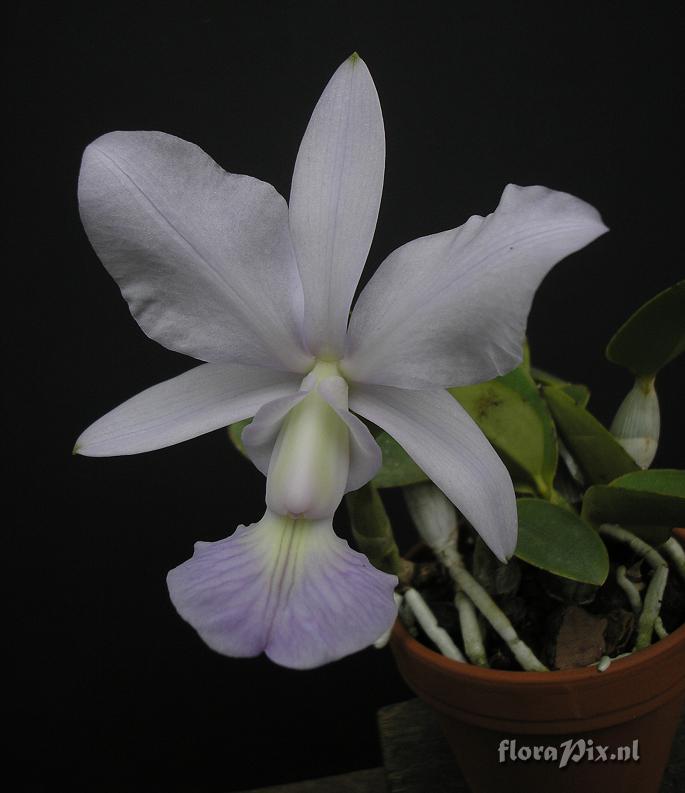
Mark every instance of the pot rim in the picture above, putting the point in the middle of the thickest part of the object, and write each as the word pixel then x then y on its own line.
pixel 523 678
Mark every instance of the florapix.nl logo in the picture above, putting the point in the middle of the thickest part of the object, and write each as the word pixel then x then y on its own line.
pixel 569 751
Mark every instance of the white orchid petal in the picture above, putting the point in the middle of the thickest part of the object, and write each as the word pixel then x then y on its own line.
pixel 259 437
pixel 451 309
pixel 289 588
pixel 334 201
pixel 200 400
pixel 203 257
pixel 365 454
pixel 447 444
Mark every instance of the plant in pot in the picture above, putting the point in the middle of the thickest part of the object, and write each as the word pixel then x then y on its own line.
pixel 219 267
pixel 564 668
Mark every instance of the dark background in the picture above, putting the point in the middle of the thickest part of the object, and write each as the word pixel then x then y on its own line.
pixel 111 690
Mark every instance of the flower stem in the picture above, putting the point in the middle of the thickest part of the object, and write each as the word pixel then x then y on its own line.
pixel 373 533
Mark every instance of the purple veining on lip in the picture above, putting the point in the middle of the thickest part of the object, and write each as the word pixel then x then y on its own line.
pixel 293 590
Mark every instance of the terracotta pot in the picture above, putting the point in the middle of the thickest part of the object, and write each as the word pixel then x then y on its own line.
pixel 636 703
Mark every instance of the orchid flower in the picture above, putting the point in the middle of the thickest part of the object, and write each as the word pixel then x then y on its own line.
pixel 219 267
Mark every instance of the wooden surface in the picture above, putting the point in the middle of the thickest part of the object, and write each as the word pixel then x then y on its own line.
pixel 417 759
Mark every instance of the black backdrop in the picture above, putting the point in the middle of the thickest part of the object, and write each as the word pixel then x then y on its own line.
pixel 111 690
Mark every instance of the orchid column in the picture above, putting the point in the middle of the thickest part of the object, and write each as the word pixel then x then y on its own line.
pixel 217 266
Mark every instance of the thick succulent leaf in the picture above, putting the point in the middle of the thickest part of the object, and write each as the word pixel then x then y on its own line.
pixel 654 334
pixel 593 447
pixel 580 394
pixel 515 419
pixel 559 541
pixel 662 481
pixel 649 503
pixel 398 468
pixel 545 378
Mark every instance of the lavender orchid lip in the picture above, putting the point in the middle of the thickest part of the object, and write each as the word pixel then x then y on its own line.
pixel 219 267
pixel 284 586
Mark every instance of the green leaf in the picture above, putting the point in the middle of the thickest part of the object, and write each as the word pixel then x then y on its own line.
pixel 545 378
pixel 580 394
pixel 664 481
pixel 653 335
pixel 597 452
pixel 524 489
pixel 516 421
pixel 559 541
pixel 648 503
pixel 235 432
pixel 398 468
